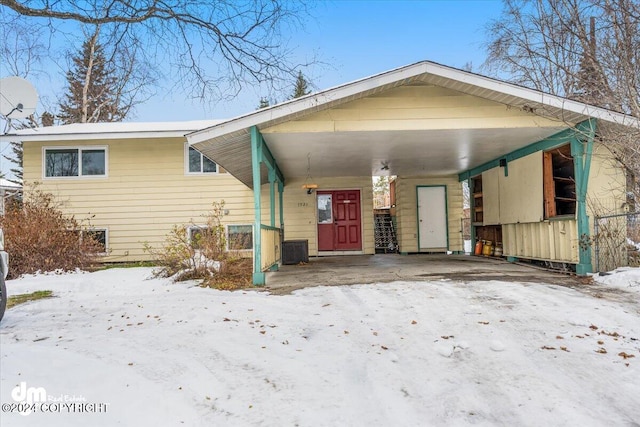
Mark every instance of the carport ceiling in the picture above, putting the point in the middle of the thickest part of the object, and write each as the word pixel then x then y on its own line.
pixel 407 153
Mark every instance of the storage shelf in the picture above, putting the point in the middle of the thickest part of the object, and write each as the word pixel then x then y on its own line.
pixel 563 179
pixel 476 191
pixel 559 182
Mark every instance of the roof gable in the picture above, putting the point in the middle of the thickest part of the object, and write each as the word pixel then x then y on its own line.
pixel 289 128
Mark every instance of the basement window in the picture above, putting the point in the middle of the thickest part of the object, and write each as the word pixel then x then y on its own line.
pixel 240 237
pixel 196 233
pixel 559 182
pixel 100 236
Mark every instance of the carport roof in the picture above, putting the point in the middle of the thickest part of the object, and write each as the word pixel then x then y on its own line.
pixel 393 152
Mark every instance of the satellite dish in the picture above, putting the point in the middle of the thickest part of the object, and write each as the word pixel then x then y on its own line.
pixel 18 98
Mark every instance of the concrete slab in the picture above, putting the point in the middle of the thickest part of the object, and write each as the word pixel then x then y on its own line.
pixel 381 268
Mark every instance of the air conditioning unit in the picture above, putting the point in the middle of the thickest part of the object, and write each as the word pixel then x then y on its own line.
pixel 295 251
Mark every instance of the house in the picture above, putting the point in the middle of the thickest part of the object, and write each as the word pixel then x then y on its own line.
pixel 531 160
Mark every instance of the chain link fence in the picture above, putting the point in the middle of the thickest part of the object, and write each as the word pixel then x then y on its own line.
pixel 617 241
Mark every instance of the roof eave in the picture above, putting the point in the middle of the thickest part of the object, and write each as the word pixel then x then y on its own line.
pixel 313 102
pixel 88 136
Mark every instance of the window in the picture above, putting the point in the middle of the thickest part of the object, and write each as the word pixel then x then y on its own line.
pixel 559 182
pixel 196 233
pixel 325 210
pixel 198 163
pixel 75 162
pixel 239 237
pixel 100 236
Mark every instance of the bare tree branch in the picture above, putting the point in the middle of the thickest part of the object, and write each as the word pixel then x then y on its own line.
pixel 588 50
pixel 214 47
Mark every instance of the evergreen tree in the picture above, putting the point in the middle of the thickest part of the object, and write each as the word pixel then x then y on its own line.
pixel 92 92
pixel 46 119
pixel 264 103
pixel 590 85
pixel 301 87
pixel 16 159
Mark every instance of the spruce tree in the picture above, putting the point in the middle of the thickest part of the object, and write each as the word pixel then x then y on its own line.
pixel 46 119
pixel 264 103
pixel 92 91
pixel 16 159
pixel 301 87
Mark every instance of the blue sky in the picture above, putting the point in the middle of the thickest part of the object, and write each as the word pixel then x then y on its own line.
pixel 357 39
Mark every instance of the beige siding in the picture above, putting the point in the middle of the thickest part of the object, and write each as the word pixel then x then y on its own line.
pixel 547 240
pixel 521 195
pixel 516 197
pixel 607 184
pixel 145 194
pixel 607 196
pixel 407 211
pixel 414 107
pixel 300 209
pixel 491 196
pixel 269 248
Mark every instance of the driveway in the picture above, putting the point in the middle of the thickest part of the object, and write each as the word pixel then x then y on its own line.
pixel 384 268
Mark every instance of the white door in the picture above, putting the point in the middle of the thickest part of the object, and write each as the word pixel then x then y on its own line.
pixel 432 218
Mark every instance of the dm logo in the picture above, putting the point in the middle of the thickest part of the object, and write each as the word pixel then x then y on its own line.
pixel 23 394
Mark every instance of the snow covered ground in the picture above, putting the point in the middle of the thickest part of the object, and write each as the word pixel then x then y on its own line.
pixel 117 348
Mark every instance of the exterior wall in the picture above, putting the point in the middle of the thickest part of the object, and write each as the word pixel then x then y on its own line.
pixel 420 107
pixel 407 211
pixel 520 206
pixel 300 213
pixel 515 197
pixel 520 198
pixel 606 194
pixel 145 193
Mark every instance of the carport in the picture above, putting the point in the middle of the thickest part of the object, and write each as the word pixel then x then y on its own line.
pixel 422 120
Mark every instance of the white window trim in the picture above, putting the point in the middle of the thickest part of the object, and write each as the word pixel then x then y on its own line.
pixel 192 227
pixel 253 236
pixel 80 148
pixel 186 163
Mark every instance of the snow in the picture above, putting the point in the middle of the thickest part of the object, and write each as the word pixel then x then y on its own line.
pixel 188 125
pixel 435 353
pixel 626 278
pixel 111 130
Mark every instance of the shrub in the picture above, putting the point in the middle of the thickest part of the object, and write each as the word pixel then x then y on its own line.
pixel 202 254
pixel 39 237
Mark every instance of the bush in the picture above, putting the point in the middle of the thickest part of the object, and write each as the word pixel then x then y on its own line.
pixel 39 237
pixel 202 254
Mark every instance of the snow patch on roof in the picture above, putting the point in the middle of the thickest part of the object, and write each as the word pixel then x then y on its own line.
pixel 120 127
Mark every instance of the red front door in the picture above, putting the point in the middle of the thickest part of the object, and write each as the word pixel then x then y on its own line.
pixel 339 224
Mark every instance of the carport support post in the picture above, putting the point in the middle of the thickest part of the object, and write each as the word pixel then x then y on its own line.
pixel 581 150
pixel 256 158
